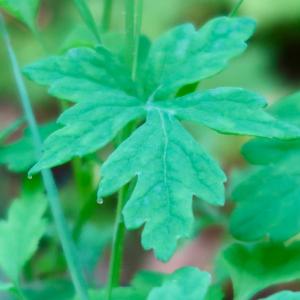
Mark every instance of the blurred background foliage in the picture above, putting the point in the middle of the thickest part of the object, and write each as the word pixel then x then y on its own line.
pixel 270 66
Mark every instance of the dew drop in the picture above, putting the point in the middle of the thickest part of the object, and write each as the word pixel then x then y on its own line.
pixel 100 200
pixel 29 177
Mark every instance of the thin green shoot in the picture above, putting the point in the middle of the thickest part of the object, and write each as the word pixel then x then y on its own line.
pixel 107 11
pixel 10 129
pixel 235 9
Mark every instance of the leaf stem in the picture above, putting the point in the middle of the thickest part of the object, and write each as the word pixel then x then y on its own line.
pixel 235 9
pixel 11 128
pixel 57 211
pixel 87 17
pixel 130 32
pixel 117 251
pixel 138 24
pixel 107 15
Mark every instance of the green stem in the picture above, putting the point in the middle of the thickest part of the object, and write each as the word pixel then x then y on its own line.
pixel 107 15
pixel 11 128
pixel 40 39
pixel 130 32
pixel 58 215
pixel 138 25
pixel 235 9
pixel 88 18
pixel 117 251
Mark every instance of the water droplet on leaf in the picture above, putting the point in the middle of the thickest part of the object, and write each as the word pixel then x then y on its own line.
pixel 99 200
pixel 29 177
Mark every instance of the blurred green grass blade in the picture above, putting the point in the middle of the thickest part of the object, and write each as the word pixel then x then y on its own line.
pixel 88 18
pixel 59 217
pixel 10 129
pixel 235 9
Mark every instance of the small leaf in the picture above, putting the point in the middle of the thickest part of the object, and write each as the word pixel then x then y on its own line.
pixel 255 268
pixel 214 293
pixel 20 234
pixel 6 286
pixel 187 283
pixel 24 10
pixel 171 168
pixel 183 56
pixel 10 154
pixel 90 126
pixel 284 295
pixel 269 202
pixel 83 74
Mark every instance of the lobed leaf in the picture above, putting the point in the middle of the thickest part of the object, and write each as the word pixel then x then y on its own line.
pixel 286 295
pixel 24 10
pixel 186 283
pixel 90 126
pixel 169 165
pixel 183 55
pixel 83 74
pixel 255 268
pixel 171 168
pixel 10 154
pixel 20 234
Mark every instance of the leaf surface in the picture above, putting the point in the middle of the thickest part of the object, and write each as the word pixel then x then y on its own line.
pixel 230 111
pixel 286 295
pixel 269 202
pixel 255 268
pixel 171 168
pixel 183 55
pixel 20 234
pixel 24 10
pixel 83 74
pixel 90 126
pixel 186 283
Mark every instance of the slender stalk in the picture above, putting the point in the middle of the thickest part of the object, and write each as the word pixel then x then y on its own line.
pixel 88 18
pixel 138 24
pixel 10 129
pixel 58 215
pixel 235 9
pixel 107 15
pixel 130 32
pixel 117 251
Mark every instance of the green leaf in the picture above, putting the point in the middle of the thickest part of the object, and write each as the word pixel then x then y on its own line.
pixel 187 283
pixel 214 293
pixel 183 56
pixel 83 74
pixel 255 268
pixel 20 234
pixel 24 10
pixel 91 124
pixel 10 154
pixel 269 202
pixel 170 166
pixel 286 295
pixel 6 286
pixel 230 111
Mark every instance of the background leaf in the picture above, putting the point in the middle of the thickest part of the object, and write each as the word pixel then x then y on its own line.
pixel 286 295
pixel 187 283
pixel 24 10
pixel 20 234
pixel 253 268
